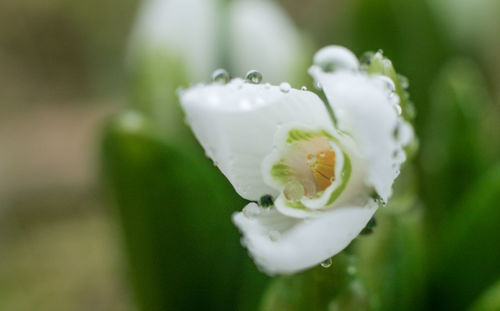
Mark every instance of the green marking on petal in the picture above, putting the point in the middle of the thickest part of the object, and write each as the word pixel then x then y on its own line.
pixel 281 172
pixel 296 205
pixel 345 175
pixel 297 135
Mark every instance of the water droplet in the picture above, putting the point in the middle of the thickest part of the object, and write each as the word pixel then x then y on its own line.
pixel 220 76
pixel 398 109
pixel 333 57
pixel 387 83
pixel 285 87
pixel 317 85
pixel 304 88
pixel 309 188
pixel 274 235
pixel 251 210
pixel 404 81
pixel 327 263
pixel 294 191
pixel 266 200
pixel 253 76
pixel 267 85
pixel 311 158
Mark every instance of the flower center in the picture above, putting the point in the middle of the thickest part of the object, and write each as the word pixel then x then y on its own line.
pixel 322 166
pixel 313 166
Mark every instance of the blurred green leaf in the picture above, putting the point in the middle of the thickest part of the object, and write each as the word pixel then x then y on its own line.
pixel 489 301
pixel 392 260
pixel 155 77
pixel 408 34
pixel 313 289
pixel 174 208
pixel 466 254
pixel 452 154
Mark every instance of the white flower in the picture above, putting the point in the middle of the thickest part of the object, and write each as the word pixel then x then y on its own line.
pixel 327 179
pixel 245 34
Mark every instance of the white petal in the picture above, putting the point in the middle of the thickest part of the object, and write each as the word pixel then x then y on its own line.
pixel 284 245
pixel 364 108
pixel 262 37
pixel 179 28
pixel 336 57
pixel 236 124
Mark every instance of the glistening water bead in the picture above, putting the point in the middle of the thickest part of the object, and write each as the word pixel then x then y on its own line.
pixel 253 76
pixel 220 76
pixel 285 87
pixel 327 263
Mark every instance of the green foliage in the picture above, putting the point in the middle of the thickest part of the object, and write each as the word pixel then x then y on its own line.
pixel 466 255
pixel 392 260
pixel 452 154
pixel 155 77
pixel 315 289
pixel 174 208
pixel 489 301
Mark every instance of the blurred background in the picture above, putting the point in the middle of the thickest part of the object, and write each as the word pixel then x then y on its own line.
pixel 99 209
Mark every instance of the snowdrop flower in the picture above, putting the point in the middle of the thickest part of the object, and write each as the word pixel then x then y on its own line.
pixel 322 177
pixel 201 33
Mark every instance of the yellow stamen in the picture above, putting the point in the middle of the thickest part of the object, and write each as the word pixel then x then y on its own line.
pixel 322 166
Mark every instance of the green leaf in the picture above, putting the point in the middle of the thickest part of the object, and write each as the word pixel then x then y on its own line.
pixel 452 154
pixel 155 76
pixel 489 300
pixel 466 255
pixel 392 258
pixel 314 289
pixel 174 208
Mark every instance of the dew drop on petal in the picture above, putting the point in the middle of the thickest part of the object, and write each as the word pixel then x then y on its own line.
pixel 309 188
pixel 254 76
pixel 251 210
pixel 387 83
pixel 267 85
pixel 274 235
pixel 398 109
pixel 285 87
pixel 294 191
pixel 404 81
pixel 327 263
pixel 220 76
pixel 304 88
pixel 331 58
pixel 266 200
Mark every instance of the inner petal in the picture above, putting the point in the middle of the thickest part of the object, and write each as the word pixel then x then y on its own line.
pixel 312 162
